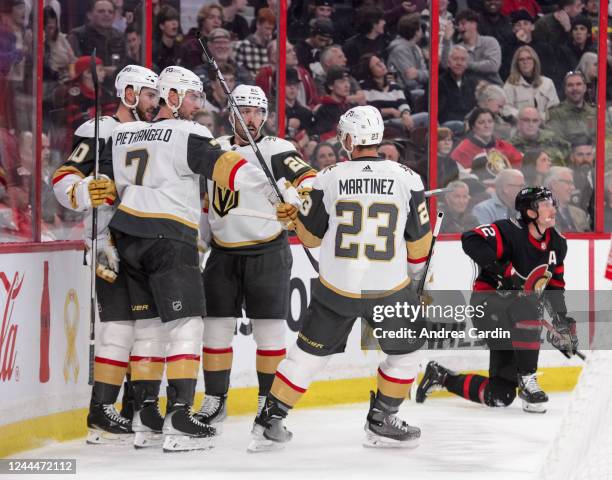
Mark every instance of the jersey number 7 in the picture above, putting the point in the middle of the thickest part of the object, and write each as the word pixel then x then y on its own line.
pixel 142 157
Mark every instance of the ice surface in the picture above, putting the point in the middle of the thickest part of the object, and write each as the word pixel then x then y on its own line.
pixel 460 441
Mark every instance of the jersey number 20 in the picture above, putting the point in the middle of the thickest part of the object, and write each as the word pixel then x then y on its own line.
pixel 386 232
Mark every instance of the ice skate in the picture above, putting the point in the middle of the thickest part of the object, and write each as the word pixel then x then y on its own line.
pixel 533 397
pixel 147 425
pixel 433 379
pixel 384 429
pixel 268 431
pixel 106 426
pixel 213 411
pixel 182 432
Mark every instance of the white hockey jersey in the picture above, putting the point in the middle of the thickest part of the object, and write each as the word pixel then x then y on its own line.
pixel 369 216
pixel 156 168
pixel 80 164
pixel 245 221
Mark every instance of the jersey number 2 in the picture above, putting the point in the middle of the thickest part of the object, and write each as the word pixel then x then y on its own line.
pixel 354 228
pixel 142 157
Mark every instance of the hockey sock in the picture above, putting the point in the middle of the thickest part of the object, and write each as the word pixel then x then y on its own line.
pixel 266 362
pixel 145 390
pixel 285 390
pixel 526 344
pixel 108 377
pixel 104 393
pixel 391 390
pixel 217 366
pixel 471 387
pixel 181 391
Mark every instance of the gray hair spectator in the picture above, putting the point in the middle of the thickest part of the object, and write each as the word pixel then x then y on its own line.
pixel 560 181
pixel 588 67
pixel 456 90
pixel 455 206
pixel 493 97
pixel 332 57
pixel 508 183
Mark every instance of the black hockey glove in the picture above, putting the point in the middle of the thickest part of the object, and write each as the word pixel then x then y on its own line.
pixel 564 337
pixel 504 283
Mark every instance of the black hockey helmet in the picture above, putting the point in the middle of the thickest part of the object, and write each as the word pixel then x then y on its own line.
pixel 528 199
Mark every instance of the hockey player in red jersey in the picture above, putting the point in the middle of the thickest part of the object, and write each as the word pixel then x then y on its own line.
pixel 136 88
pixel 521 267
pixel 368 216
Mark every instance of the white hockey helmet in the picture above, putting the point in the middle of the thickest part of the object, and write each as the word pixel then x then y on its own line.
pixel 364 124
pixel 251 96
pixel 181 80
pixel 136 77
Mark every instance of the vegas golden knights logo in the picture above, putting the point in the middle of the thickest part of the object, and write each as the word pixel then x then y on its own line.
pixel 224 200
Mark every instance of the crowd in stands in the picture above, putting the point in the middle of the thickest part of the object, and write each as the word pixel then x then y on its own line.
pixel 516 92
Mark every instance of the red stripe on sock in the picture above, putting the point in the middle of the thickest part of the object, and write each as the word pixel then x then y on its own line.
pixel 481 389
pixel 466 386
pixel 529 323
pixel 288 382
pixel 110 361
pixel 176 358
pixel 404 381
pixel 147 359
pixel 217 351
pixel 272 353
pixel 526 345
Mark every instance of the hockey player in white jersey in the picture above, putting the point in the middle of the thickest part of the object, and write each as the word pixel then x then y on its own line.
pixel 136 88
pixel 156 168
pixel 368 215
pixel 250 260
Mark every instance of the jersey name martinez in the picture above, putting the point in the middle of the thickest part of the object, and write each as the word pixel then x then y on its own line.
pixel 363 186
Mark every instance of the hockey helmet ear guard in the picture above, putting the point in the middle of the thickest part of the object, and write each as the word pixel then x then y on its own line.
pixel 138 78
pixel 181 81
pixel 364 124
pixel 249 96
pixel 528 199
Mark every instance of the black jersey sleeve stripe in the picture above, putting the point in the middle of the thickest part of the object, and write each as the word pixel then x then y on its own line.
pixel 311 227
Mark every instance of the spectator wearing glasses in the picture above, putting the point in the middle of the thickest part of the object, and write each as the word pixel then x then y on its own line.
pixel 529 135
pixel 508 183
pixel 457 218
pixel 526 86
pixel 484 51
pixel 481 139
pixel 560 181
pixel 573 117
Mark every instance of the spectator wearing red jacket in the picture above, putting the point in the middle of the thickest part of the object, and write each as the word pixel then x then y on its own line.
pixel 332 105
pixel 481 139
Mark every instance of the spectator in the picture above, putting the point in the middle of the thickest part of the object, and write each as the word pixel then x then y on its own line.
pixel 266 77
pixel 494 23
pixel 448 169
pixel 332 105
pixel 209 18
pixel 333 56
pixel 481 139
pixel 526 86
pixel 309 50
pixel 386 96
pixel 389 150
pixel 536 165
pixel 252 52
pixel 522 27
pixel 220 48
pixel 370 37
pixel 560 181
pixel 493 97
pixel 323 156
pixel 579 42
pixel 530 6
pixel 119 20
pixel 447 27
pixel 233 21
pixel 206 118
pixel 573 117
pixel 406 57
pixel 457 218
pixel 133 45
pixel 167 49
pixel 300 119
pixel 456 89
pixel 588 67
pixel 582 162
pixel 508 183
pixel 484 52
pixel 529 135
pixel 100 34
pixel 77 98
pixel 58 57
pixel 554 27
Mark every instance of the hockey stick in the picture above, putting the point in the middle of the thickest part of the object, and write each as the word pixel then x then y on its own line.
pixel 436 231
pixel 437 191
pixel 212 65
pixel 94 220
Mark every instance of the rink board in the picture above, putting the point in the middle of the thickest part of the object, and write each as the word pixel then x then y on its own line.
pixel 36 409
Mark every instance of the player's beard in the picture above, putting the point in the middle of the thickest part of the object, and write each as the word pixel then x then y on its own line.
pixel 252 130
pixel 146 114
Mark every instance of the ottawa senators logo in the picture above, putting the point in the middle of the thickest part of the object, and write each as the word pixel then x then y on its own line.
pixel 537 280
pixel 224 200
